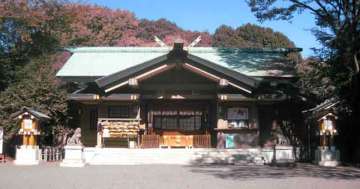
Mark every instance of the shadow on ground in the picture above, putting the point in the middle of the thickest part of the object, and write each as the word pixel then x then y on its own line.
pixel 253 172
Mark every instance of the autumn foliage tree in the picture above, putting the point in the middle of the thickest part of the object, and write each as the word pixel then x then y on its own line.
pixel 30 35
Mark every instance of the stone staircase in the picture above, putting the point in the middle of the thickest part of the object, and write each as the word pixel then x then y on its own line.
pixel 123 156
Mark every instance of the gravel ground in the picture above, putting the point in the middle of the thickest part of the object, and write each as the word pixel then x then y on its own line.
pixel 51 176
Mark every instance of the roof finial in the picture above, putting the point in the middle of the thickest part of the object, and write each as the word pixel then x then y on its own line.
pixel 195 42
pixel 159 41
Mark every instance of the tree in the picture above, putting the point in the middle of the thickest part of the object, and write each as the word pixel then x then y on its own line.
pixel 28 28
pixel 99 26
pixel 338 30
pixel 37 88
pixel 30 33
pixel 168 31
pixel 252 36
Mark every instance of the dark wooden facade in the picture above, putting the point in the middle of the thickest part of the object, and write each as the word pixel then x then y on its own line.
pixel 181 100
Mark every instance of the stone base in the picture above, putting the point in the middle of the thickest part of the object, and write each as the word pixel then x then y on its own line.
pixel 267 154
pixel 328 157
pixel 283 155
pixel 73 157
pixel 27 155
pixel 328 163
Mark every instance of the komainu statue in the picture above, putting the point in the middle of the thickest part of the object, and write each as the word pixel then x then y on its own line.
pixel 75 138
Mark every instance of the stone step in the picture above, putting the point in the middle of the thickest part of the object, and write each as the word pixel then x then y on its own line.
pixel 119 156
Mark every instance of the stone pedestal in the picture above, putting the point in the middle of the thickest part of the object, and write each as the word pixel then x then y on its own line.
pixel 328 157
pixel 73 157
pixel 267 154
pixel 283 154
pixel 27 155
pixel 99 139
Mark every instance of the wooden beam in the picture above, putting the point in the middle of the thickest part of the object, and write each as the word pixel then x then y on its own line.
pixel 154 72
pixel 234 97
pixel 223 83
pixel 182 86
pixel 178 96
pixel 83 97
pixel 96 97
pixel 116 86
pixel 212 76
pixel 121 97
pixel 141 77
pixel 133 82
pixel 201 72
pixel 239 87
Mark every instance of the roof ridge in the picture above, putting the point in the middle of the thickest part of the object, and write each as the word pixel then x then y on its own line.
pixel 117 49
pixel 238 50
pixel 190 49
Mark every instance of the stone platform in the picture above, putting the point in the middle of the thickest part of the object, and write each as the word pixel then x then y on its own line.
pixel 27 155
pixel 327 157
pixel 74 157
pixel 124 156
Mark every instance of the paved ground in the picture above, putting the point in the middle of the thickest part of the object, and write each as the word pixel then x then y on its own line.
pixel 303 176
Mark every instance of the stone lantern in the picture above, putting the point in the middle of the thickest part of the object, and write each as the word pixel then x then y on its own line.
pixel 326 154
pixel 30 122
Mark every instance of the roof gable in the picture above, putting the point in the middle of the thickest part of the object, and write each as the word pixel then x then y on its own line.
pixel 38 115
pixel 176 57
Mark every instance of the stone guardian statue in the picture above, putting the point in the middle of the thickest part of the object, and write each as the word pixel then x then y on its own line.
pixel 74 140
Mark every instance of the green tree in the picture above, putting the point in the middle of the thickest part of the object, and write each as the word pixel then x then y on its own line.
pixel 30 33
pixel 338 30
pixel 37 88
pixel 252 36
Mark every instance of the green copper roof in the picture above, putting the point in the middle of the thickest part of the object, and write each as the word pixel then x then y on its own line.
pixel 251 62
pixel 102 61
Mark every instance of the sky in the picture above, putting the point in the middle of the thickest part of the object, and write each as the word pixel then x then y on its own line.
pixel 207 15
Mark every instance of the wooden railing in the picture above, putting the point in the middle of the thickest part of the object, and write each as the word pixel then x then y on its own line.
pixel 202 141
pixel 49 153
pixel 155 141
pixel 150 141
pixel 177 141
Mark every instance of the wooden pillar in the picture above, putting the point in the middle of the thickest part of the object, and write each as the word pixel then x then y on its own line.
pixel 24 141
pixel 32 140
pixel 99 140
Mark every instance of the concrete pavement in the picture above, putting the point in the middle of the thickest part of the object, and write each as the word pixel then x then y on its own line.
pixel 176 176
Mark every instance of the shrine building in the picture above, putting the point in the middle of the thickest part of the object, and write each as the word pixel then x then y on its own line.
pixel 179 96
